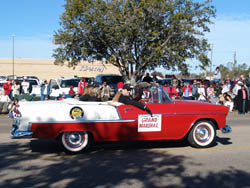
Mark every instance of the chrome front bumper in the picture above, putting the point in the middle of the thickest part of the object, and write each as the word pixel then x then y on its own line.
pixel 226 129
pixel 21 134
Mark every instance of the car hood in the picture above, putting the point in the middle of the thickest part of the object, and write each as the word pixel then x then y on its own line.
pixel 192 106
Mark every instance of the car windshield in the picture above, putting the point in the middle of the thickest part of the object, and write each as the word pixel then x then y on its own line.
pixel 159 95
pixel 68 83
pixel 155 95
pixel 31 82
pixel 112 79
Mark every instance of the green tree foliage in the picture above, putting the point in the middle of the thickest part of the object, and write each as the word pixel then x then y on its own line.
pixel 235 72
pixel 157 74
pixel 134 35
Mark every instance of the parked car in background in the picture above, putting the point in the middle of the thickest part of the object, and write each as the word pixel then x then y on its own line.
pixel 3 78
pixel 111 79
pixel 165 81
pixel 1 84
pixel 62 85
pixel 35 84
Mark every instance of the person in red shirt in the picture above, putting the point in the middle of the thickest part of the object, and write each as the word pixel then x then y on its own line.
pixel 81 86
pixel 187 91
pixel 7 88
pixel 71 90
pixel 171 90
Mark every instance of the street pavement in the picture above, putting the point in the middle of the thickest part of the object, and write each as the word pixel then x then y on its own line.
pixel 39 163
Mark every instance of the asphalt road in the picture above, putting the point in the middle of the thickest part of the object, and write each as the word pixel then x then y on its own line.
pixel 39 163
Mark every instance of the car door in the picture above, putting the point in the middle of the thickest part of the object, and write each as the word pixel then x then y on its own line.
pixel 55 91
pixel 145 126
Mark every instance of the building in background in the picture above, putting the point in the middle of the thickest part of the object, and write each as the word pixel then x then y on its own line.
pixel 45 68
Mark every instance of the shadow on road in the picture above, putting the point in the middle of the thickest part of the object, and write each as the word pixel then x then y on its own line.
pixel 224 141
pixel 106 165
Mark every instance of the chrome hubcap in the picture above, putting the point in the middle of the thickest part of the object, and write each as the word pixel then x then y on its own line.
pixel 202 134
pixel 74 139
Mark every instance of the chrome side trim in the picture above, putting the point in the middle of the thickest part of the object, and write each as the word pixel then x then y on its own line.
pixel 226 129
pixel 88 121
pixel 193 113
pixel 118 112
pixel 21 134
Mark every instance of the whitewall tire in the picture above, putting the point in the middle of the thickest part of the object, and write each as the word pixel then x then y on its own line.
pixel 202 134
pixel 74 142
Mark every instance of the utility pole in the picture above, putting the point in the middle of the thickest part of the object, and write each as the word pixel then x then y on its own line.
pixel 211 62
pixel 234 65
pixel 13 63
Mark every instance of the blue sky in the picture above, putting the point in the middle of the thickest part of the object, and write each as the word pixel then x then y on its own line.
pixel 34 22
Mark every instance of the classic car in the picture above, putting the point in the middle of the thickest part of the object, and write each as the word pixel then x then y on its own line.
pixel 76 124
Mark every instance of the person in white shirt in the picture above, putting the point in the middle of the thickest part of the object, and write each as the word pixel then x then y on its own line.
pixel 15 89
pixel 217 75
pixel 236 88
pixel 4 98
pixel 202 90
pixel 25 86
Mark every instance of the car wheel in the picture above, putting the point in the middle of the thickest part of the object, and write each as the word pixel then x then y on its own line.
pixel 202 134
pixel 74 142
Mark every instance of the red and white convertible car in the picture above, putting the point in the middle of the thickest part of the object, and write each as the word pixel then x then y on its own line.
pixel 76 124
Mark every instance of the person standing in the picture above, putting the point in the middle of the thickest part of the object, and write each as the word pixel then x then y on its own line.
pixel 15 89
pixel 25 86
pixel 195 94
pixel 187 91
pixel 217 75
pixel 105 91
pixel 7 86
pixel 45 91
pixel 91 81
pixel 242 100
pixel 81 86
pixel 147 78
pixel 236 88
pixel 248 80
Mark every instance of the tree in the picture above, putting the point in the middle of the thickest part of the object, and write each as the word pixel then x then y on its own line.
pixel 234 73
pixel 134 35
pixel 156 73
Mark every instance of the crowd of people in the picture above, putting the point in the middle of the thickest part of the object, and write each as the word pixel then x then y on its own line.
pixel 233 94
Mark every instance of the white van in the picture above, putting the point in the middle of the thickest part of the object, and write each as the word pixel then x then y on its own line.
pixel 62 85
